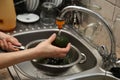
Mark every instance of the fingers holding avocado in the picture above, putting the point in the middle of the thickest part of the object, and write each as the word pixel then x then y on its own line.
pixel 60 41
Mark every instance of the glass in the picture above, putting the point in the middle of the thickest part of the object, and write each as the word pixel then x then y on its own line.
pixel 90 30
pixel 48 14
pixel 92 23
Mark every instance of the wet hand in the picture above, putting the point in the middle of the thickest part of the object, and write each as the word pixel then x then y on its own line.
pixel 8 42
pixel 46 49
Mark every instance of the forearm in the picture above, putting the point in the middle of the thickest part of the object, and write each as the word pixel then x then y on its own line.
pixel 44 49
pixel 11 58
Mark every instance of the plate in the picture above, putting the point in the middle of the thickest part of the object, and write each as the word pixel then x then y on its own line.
pixel 33 4
pixel 27 5
pixel 28 17
pixel 36 6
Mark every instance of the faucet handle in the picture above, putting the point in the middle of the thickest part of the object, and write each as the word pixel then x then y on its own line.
pixel 103 51
pixel 60 22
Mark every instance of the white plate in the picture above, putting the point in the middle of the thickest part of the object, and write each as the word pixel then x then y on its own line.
pixel 28 17
pixel 30 5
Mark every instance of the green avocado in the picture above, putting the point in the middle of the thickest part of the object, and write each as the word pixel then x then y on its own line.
pixel 60 41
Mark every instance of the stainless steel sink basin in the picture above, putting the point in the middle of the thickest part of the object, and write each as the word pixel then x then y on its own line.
pixel 97 77
pixel 29 70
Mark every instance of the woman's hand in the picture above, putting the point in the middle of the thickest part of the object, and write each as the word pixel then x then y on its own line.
pixel 8 42
pixel 46 49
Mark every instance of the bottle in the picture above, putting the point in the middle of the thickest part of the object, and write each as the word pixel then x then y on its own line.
pixel 7 15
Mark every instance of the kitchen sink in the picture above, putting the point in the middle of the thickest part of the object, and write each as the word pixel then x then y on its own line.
pixel 92 58
pixel 91 66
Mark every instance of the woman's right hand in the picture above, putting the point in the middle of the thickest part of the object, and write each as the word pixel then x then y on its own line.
pixel 46 49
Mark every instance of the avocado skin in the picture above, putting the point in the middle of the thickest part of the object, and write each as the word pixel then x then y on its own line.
pixel 60 41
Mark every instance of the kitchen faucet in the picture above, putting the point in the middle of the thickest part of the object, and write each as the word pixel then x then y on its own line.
pixel 111 57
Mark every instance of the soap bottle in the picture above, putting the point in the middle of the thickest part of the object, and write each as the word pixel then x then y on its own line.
pixel 7 15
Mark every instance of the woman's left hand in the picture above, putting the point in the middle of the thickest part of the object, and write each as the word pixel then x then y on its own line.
pixel 8 42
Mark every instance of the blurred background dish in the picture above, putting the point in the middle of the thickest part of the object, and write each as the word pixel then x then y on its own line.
pixel 20 6
pixel 56 2
pixel 27 5
pixel 36 5
pixel 32 5
pixel 28 17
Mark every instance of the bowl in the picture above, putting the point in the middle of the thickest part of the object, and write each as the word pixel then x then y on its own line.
pixel 56 66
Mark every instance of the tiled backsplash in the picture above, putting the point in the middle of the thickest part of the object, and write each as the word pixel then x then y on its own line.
pixel 112 1
pixel 109 10
pixel 118 3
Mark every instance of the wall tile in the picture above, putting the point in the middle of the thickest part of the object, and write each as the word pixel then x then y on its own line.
pixel 107 10
pixel 110 9
pixel 118 3
pixel 116 26
pixel 112 1
pixel 117 11
pixel 116 32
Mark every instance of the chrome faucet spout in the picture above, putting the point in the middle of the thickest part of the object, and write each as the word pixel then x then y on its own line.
pixel 112 54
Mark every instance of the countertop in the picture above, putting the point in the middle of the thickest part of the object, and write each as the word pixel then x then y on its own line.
pixel 4 73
